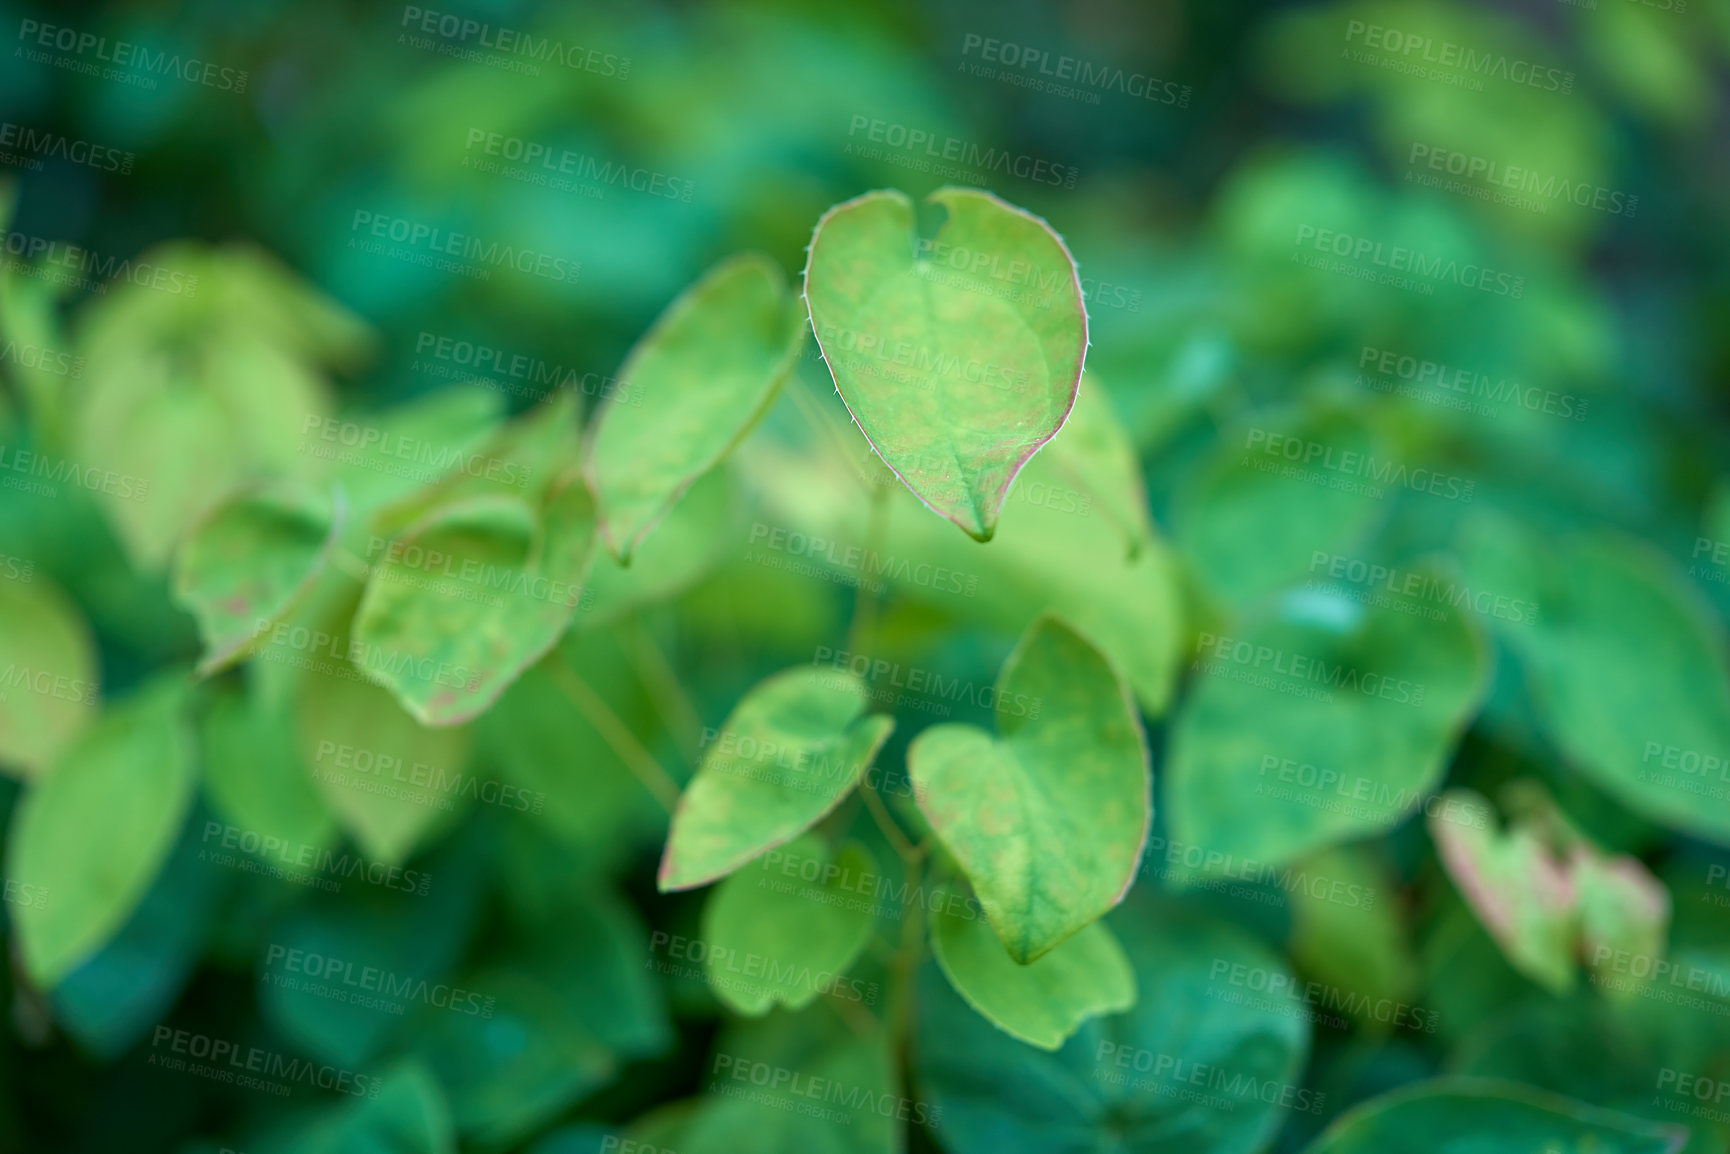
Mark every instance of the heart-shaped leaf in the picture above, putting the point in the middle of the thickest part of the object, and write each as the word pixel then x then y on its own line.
pixel 1491 1116
pixel 694 385
pixel 1328 721
pixel 1048 819
pixel 249 561
pixel 774 938
pixel 91 834
pixel 787 755
pixel 1043 1002
pixel 47 674
pixel 960 364
pixel 472 594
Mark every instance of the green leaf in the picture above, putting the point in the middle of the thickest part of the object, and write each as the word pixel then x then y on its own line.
pixel 244 566
pixel 255 778
pixel 786 755
pixel 1042 1002
pixel 47 675
pixel 685 546
pixel 1329 721
pixel 92 834
pixel 1488 1116
pixel 799 1084
pixel 389 779
pixel 1347 931
pixel 776 940
pixel 695 384
pixel 472 594
pixel 1185 1069
pixel 1048 819
pixel 1633 684
pixel 958 368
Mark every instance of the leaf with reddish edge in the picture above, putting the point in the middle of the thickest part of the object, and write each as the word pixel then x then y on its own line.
pixel 957 369
pixel 787 755
pixel 1048 818
pixel 1545 893
pixel 250 560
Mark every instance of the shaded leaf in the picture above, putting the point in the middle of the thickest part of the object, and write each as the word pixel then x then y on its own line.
pixel 47 675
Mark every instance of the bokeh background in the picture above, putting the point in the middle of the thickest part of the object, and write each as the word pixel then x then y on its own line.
pixel 1202 178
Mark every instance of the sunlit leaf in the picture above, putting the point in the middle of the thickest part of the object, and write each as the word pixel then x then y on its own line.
pixel 47 674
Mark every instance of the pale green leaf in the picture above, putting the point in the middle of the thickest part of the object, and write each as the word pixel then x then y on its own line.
pixel 693 387
pixel 787 755
pixel 960 364
pixel 1049 817
pixel 48 674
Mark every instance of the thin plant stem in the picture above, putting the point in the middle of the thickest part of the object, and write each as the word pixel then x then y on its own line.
pixel 614 732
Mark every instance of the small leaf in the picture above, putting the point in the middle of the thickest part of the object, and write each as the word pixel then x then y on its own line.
pixel 1546 894
pixel 403 1112
pixel 92 834
pixel 249 561
pixel 1048 819
pixel 693 386
pixel 773 939
pixel 1097 454
pixel 473 594
pixel 787 755
pixel 255 779
pixel 1347 931
pixel 1493 1117
pixel 1043 1002
pixel 959 368
pixel 47 675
